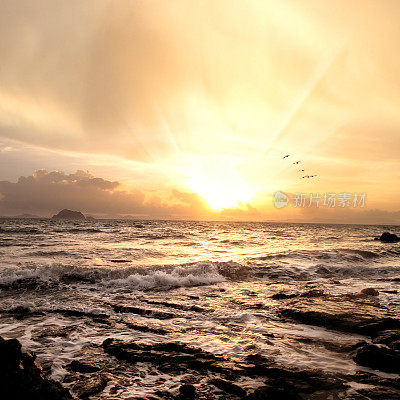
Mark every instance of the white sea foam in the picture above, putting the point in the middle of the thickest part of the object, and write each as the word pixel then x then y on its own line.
pixel 198 274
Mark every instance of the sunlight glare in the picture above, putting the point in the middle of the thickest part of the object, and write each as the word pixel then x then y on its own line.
pixel 217 180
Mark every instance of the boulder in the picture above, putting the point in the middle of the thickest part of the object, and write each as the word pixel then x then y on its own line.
pixel 228 387
pixel 388 237
pixel 22 378
pixel 87 387
pixel 370 292
pixel 68 214
pixel 378 357
pixel 83 367
pixel 187 391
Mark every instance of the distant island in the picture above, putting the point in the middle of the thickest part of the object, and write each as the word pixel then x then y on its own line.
pixel 68 214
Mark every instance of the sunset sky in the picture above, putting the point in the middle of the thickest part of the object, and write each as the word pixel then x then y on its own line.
pixel 185 108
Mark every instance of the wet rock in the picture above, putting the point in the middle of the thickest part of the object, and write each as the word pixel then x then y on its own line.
pixel 163 394
pixel 312 293
pixel 145 328
pixel 182 307
pixel 259 359
pixel 388 237
pixel 77 313
pixel 53 331
pixel 167 357
pixel 271 393
pixel 390 338
pixel 370 292
pixel 22 378
pixel 295 381
pixel 83 367
pixel 228 387
pixel 283 296
pixel 187 391
pixel 379 358
pixel 355 314
pixel 142 311
pixel 379 393
pixel 90 386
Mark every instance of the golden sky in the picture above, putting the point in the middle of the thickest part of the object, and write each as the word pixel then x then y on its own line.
pixel 190 106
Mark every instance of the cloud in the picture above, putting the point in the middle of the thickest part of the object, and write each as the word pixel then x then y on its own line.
pixel 46 192
pixel 145 80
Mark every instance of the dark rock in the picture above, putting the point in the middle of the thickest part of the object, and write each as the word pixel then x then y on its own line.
pixel 187 391
pixel 355 314
pixel 22 378
pixel 177 306
pixel 271 393
pixel 295 381
pixel 312 293
pixel 90 386
pixel 390 338
pixel 283 296
pixel 68 214
pixel 142 311
pixel 77 313
pixel 388 237
pixel 378 357
pixel 259 359
pixel 370 292
pixel 228 387
pixel 379 393
pixel 167 356
pixel 83 366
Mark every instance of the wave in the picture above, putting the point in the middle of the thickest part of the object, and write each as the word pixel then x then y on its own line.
pixel 316 272
pixel 339 255
pixel 40 277
pixel 197 275
pixel 31 231
pixel 50 253
pixel 79 230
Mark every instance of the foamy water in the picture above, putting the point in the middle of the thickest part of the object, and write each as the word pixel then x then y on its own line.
pixel 206 284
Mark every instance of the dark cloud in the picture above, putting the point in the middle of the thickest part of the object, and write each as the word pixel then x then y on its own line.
pixel 46 192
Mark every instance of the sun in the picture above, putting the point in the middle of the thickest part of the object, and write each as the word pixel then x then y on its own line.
pixel 217 180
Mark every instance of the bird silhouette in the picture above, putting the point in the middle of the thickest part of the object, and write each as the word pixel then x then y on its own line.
pixel 297 162
pixel 301 170
pixel 287 155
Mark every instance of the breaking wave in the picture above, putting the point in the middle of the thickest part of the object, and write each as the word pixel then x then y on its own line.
pixel 196 274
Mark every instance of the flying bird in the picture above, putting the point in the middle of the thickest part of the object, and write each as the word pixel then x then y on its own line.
pixel 287 155
pixel 297 162
pixel 308 176
pixel 301 170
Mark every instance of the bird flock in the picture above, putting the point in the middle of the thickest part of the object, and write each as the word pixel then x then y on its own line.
pixel 300 170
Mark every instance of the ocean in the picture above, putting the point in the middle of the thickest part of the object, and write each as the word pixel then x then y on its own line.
pixel 233 290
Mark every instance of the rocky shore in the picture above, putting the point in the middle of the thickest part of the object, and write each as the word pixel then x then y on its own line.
pixel 198 374
pixel 22 378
